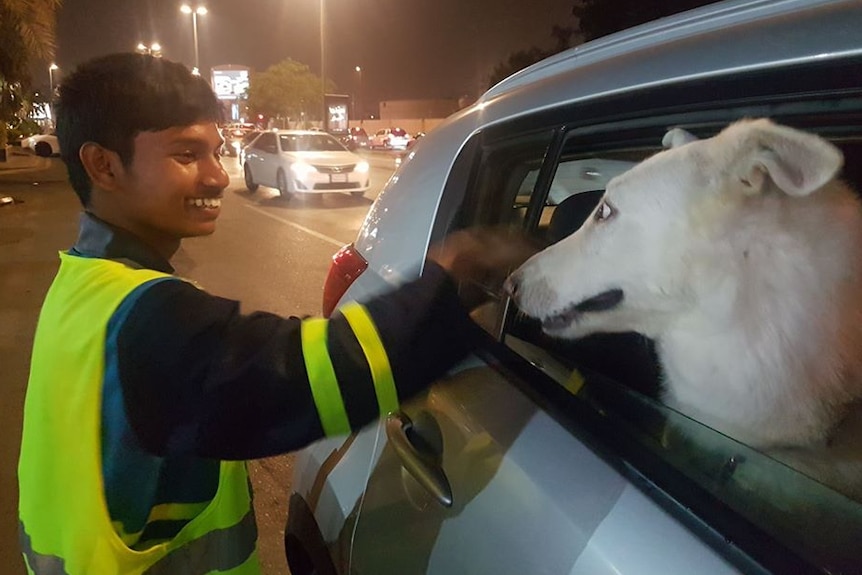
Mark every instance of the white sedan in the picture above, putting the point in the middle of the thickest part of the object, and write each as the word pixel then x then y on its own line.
pixel 303 161
pixel 43 144
pixel 390 139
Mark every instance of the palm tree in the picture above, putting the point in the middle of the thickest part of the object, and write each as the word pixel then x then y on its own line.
pixel 26 32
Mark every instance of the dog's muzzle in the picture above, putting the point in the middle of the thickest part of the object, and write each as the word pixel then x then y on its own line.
pixel 604 301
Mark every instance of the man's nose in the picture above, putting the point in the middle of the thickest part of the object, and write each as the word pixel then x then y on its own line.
pixel 215 175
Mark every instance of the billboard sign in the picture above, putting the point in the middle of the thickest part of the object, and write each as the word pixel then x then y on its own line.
pixel 337 118
pixel 230 83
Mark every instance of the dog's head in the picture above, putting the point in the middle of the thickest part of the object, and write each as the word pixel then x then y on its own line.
pixel 634 264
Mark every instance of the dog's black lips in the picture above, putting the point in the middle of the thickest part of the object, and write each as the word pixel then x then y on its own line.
pixel 602 302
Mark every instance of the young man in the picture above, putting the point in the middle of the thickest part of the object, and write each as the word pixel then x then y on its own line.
pixel 146 393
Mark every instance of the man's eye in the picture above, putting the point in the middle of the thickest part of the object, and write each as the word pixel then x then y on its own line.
pixel 186 157
pixel 603 212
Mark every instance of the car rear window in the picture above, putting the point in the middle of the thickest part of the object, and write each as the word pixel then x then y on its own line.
pixel 310 143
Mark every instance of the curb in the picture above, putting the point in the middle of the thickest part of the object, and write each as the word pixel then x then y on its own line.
pixel 26 163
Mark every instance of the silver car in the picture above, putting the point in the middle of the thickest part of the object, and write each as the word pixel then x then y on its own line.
pixel 536 456
pixel 303 162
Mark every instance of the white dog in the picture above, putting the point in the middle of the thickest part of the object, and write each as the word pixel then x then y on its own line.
pixel 741 256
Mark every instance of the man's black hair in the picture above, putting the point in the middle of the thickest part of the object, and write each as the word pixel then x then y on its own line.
pixel 111 99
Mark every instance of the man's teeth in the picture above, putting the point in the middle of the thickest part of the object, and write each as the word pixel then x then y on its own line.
pixel 205 202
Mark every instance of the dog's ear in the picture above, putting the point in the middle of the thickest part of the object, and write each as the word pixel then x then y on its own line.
pixel 798 163
pixel 677 137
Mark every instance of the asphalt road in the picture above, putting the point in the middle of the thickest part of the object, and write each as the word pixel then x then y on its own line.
pixel 269 253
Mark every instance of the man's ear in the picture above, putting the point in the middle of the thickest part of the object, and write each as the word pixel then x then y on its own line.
pixel 103 166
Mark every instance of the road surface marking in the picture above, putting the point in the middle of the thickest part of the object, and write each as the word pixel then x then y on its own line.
pixel 311 232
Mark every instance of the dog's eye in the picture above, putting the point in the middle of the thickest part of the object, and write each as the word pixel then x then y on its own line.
pixel 603 212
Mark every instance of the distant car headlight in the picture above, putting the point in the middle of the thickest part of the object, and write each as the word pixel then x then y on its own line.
pixel 362 167
pixel 302 170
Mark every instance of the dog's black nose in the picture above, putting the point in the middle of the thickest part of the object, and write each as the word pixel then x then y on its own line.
pixel 512 283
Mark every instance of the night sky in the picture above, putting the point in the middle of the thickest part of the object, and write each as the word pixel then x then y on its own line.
pixel 406 48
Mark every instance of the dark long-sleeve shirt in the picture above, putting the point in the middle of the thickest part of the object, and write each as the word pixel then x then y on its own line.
pixel 190 379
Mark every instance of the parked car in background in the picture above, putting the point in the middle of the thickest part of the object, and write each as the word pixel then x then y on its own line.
pixel 355 138
pixel 236 135
pixel 237 130
pixel 303 162
pixel 43 144
pixel 539 456
pixel 234 145
pixel 389 139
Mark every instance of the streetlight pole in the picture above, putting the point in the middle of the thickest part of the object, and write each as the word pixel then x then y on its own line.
pixel 358 99
pixel 51 69
pixel 323 60
pixel 186 9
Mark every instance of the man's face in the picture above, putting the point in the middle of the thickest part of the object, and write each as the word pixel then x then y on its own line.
pixel 173 187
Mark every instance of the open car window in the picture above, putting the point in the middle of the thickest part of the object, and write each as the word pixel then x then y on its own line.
pixel 549 189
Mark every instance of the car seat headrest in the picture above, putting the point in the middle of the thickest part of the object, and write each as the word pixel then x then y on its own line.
pixel 571 213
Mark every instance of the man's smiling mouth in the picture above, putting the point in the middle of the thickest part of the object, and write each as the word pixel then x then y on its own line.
pixel 206 203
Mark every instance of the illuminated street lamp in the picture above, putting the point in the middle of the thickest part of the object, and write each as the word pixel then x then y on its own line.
pixel 198 10
pixel 154 49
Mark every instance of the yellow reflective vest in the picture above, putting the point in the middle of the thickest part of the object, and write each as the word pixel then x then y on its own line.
pixel 65 527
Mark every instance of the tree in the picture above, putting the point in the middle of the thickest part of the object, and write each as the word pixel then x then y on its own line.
pixel 601 17
pixel 26 32
pixel 564 37
pixel 516 61
pixel 286 90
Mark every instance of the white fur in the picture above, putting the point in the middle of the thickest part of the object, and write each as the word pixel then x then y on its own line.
pixel 742 257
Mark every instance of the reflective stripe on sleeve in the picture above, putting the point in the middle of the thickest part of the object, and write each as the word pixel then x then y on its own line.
pixel 375 354
pixel 321 378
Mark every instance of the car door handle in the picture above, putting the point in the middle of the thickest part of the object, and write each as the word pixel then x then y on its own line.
pixel 423 466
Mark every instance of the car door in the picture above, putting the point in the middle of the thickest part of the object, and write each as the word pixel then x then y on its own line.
pixel 539 456
pixel 262 157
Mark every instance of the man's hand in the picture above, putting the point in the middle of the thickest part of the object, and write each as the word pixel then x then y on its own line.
pixel 480 255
